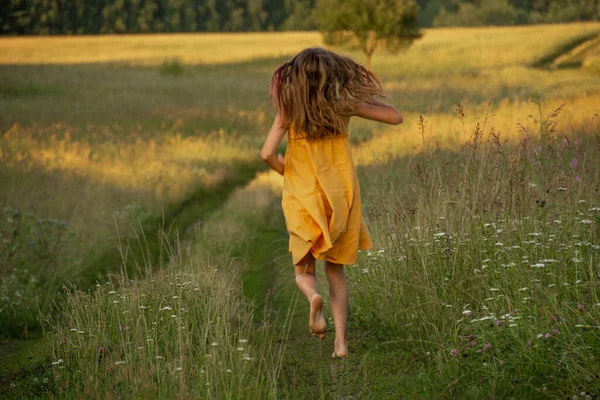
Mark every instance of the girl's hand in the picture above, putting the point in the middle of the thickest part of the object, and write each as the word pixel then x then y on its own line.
pixel 379 111
pixel 276 162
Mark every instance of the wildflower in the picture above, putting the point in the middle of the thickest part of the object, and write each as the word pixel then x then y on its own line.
pixel 586 221
pixel 240 349
pixel 243 340
pixel 453 352
pixel 228 370
pixel 580 307
pixel 574 162
pixel 165 308
pixel 577 179
pixel 539 335
pixel 214 344
pixel 555 331
pixel 501 362
pixel 547 335
pixel 499 244
pixel 120 362
pixel 159 357
pixel 479 351
pixel 467 313
pixel 179 369
pixel 498 323
pixel 562 189
pixel 538 265
pixel 58 362
pixel 487 346
pixel 143 307
pixel 365 270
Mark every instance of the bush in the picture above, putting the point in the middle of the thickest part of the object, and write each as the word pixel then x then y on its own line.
pixel 172 66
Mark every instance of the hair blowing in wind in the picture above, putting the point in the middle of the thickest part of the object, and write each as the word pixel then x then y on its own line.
pixel 317 88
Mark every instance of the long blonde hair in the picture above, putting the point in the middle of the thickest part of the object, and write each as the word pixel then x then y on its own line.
pixel 317 88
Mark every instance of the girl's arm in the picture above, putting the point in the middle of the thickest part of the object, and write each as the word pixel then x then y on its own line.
pixel 379 111
pixel 276 162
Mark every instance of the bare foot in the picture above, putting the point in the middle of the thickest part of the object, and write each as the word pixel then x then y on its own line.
pixel 339 350
pixel 316 322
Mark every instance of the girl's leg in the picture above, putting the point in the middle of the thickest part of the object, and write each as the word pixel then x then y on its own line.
pixel 307 283
pixel 338 296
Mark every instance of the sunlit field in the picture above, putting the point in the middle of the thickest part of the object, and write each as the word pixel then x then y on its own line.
pixel 127 166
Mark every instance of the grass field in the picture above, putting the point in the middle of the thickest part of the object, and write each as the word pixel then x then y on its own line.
pixel 474 291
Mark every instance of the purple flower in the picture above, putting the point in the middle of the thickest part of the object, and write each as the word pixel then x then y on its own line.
pixel 538 164
pixel 555 331
pixel 564 142
pixel 547 335
pixel 487 346
pixel 580 307
pixel 471 338
pixel 538 148
pixel 554 318
pixel 453 352
pixel 577 179
pixel 578 141
pixel 467 313
pixel 574 162
pixel 479 350
pixel 498 323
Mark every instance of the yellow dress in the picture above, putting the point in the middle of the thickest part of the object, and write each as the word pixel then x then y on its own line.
pixel 321 200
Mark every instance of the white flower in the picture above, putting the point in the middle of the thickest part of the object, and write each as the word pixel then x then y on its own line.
pixel 165 308
pixel 494 289
pixel 523 289
pixel 159 357
pixel 499 244
pixel 562 189
pixel 179 369
pixel 586 221
pixel 60 361
pixel 143 307
pixel 243 340
pixel 538 265
pixel 120 362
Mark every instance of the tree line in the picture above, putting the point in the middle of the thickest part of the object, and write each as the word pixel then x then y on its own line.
pixel 60 17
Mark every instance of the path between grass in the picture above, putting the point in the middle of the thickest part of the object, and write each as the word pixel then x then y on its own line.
pixel 25 360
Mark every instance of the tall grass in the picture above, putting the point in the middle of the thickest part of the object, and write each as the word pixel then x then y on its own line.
pixel 487 262
pixel 184 330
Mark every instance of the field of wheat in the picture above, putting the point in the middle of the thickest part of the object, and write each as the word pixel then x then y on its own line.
pixel 483 205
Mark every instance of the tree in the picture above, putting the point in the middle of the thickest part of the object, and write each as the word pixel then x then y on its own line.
pixel 369 23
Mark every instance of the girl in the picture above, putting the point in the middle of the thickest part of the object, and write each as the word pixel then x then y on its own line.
pixel 315 95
